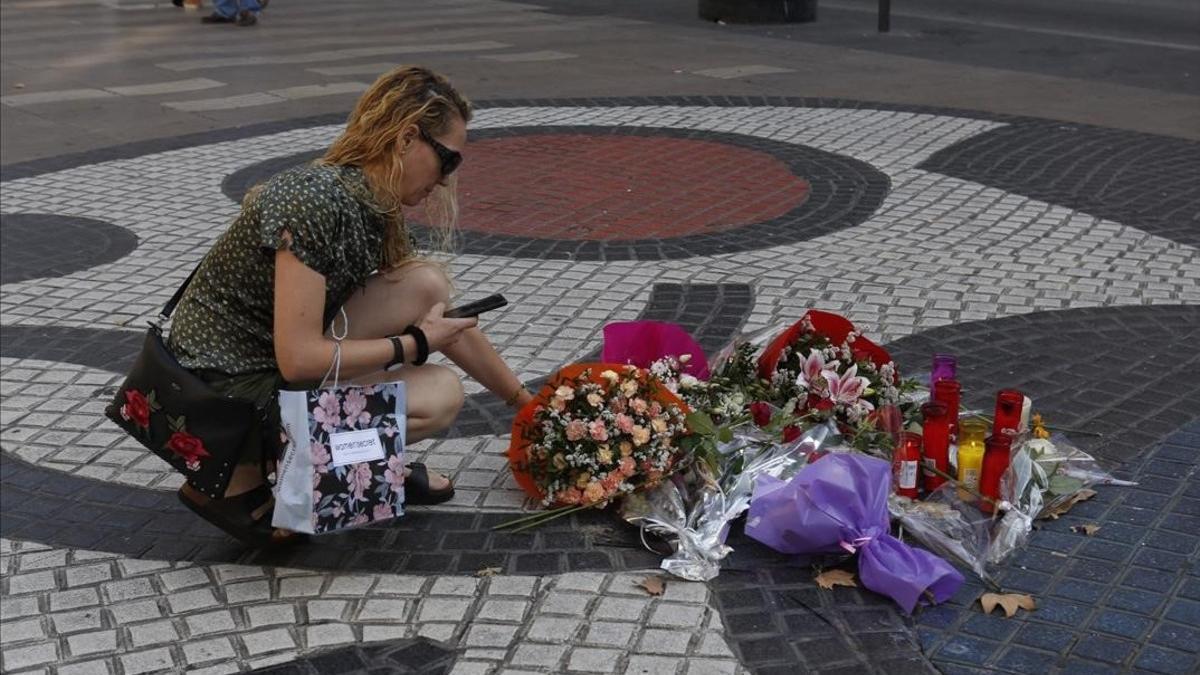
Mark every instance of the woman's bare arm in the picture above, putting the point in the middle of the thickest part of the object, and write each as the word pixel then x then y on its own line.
pixel 305 353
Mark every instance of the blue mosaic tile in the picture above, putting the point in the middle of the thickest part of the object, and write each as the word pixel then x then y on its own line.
pixel 1081 591
pixel 1191 589
pixel 1150 580
pixel 928 639
pixel 1166 486
pixel 1161 466
pixel 1038 560
pixel 1145 500
pixel 991 626
pixel 1107 550
pixel 1180 523
pixel 1183 638
pixel 1054 541
pixel 1081 667
pixel 1121 532
pixel 1132 515
pixel 967 649
pixel 1185 612
pixel 1163 560
pixel 1140 601
pixel 1172 541
pixel 1025 581
pixel 1053 610
pixel 1100 571
pixel 1122 624
pixel 940 616
pixel 1021 660
pixel 1159 660
pixel 1104 649
pixel 1046 637
pixel 1186 506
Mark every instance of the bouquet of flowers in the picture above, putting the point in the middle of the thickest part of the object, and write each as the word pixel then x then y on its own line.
pixel 594 433
pixel 821 369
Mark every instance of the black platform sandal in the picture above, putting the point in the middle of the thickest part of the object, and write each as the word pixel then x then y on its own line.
pixel 233 515
pixel 417 490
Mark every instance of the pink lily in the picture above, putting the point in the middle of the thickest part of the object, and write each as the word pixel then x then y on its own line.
pixel 812 368
pixel 847 387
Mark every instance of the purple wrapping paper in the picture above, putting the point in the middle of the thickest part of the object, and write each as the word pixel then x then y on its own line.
pixel 838 504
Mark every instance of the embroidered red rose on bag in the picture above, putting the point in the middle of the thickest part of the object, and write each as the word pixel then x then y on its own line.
pixel 187 446
pixel 136 408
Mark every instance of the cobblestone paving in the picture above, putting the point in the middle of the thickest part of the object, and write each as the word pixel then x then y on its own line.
pixel 1126 598
pixel 918 227
pixel 89 612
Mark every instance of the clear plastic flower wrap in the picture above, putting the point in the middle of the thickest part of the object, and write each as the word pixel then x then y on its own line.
pixel 1043 476
pixel 695 508
pixel 946 525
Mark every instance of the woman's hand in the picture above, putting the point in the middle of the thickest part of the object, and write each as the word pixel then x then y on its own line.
pixel 441 332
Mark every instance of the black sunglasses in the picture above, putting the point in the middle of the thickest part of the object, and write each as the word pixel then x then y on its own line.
pixel 450 159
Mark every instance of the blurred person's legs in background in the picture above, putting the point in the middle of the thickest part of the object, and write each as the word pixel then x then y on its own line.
pixel 241 12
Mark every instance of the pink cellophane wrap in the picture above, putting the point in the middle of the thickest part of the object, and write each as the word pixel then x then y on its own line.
pixel 838 504
pixel 644 342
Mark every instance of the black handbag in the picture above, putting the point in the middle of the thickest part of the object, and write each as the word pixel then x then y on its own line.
pixel 180 418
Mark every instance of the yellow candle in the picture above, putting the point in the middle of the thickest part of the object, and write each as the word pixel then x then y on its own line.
pixel 971 435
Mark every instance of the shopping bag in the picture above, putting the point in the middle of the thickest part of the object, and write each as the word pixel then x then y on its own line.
pixel 343 459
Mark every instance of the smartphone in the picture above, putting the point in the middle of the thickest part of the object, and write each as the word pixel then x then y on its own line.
pixel 476 308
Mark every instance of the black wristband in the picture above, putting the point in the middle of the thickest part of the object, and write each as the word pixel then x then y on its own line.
pixel 397 353
pixel 422 344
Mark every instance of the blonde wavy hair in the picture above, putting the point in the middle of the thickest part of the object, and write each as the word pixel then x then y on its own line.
pixel 407 95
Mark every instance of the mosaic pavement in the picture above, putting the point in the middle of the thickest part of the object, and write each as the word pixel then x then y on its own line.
pixel 1045 255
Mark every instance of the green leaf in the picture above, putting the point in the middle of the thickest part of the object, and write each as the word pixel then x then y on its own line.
pixel 725 434
pixel 1064 485
pixel 701 423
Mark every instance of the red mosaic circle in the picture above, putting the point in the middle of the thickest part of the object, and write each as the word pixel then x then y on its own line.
pixel 588 187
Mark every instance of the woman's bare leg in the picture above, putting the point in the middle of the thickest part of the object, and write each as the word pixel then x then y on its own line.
pixel 385 306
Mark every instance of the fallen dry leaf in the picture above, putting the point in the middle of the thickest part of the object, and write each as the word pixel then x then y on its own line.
pixel 1089 529
pixel 830 578
pixel 1054 512
pixel 1008 601
pixel 488 572
pixel 654 585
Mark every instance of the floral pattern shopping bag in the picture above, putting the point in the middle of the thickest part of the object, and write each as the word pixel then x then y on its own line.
pixel 343 460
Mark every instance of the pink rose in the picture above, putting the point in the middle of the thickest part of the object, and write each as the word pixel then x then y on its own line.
pixel 624 423
pixel 639 406
pixel 576 430
pixel 627 466
pixel 655 409
pixel 597 431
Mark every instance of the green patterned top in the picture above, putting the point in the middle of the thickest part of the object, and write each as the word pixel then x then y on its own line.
pixel 225 320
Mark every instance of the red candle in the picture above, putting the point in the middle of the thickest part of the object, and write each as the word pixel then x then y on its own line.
pixel 996 456
pixel 906 459
pixel 948 392
pixel 935 441
pixel 1009 403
